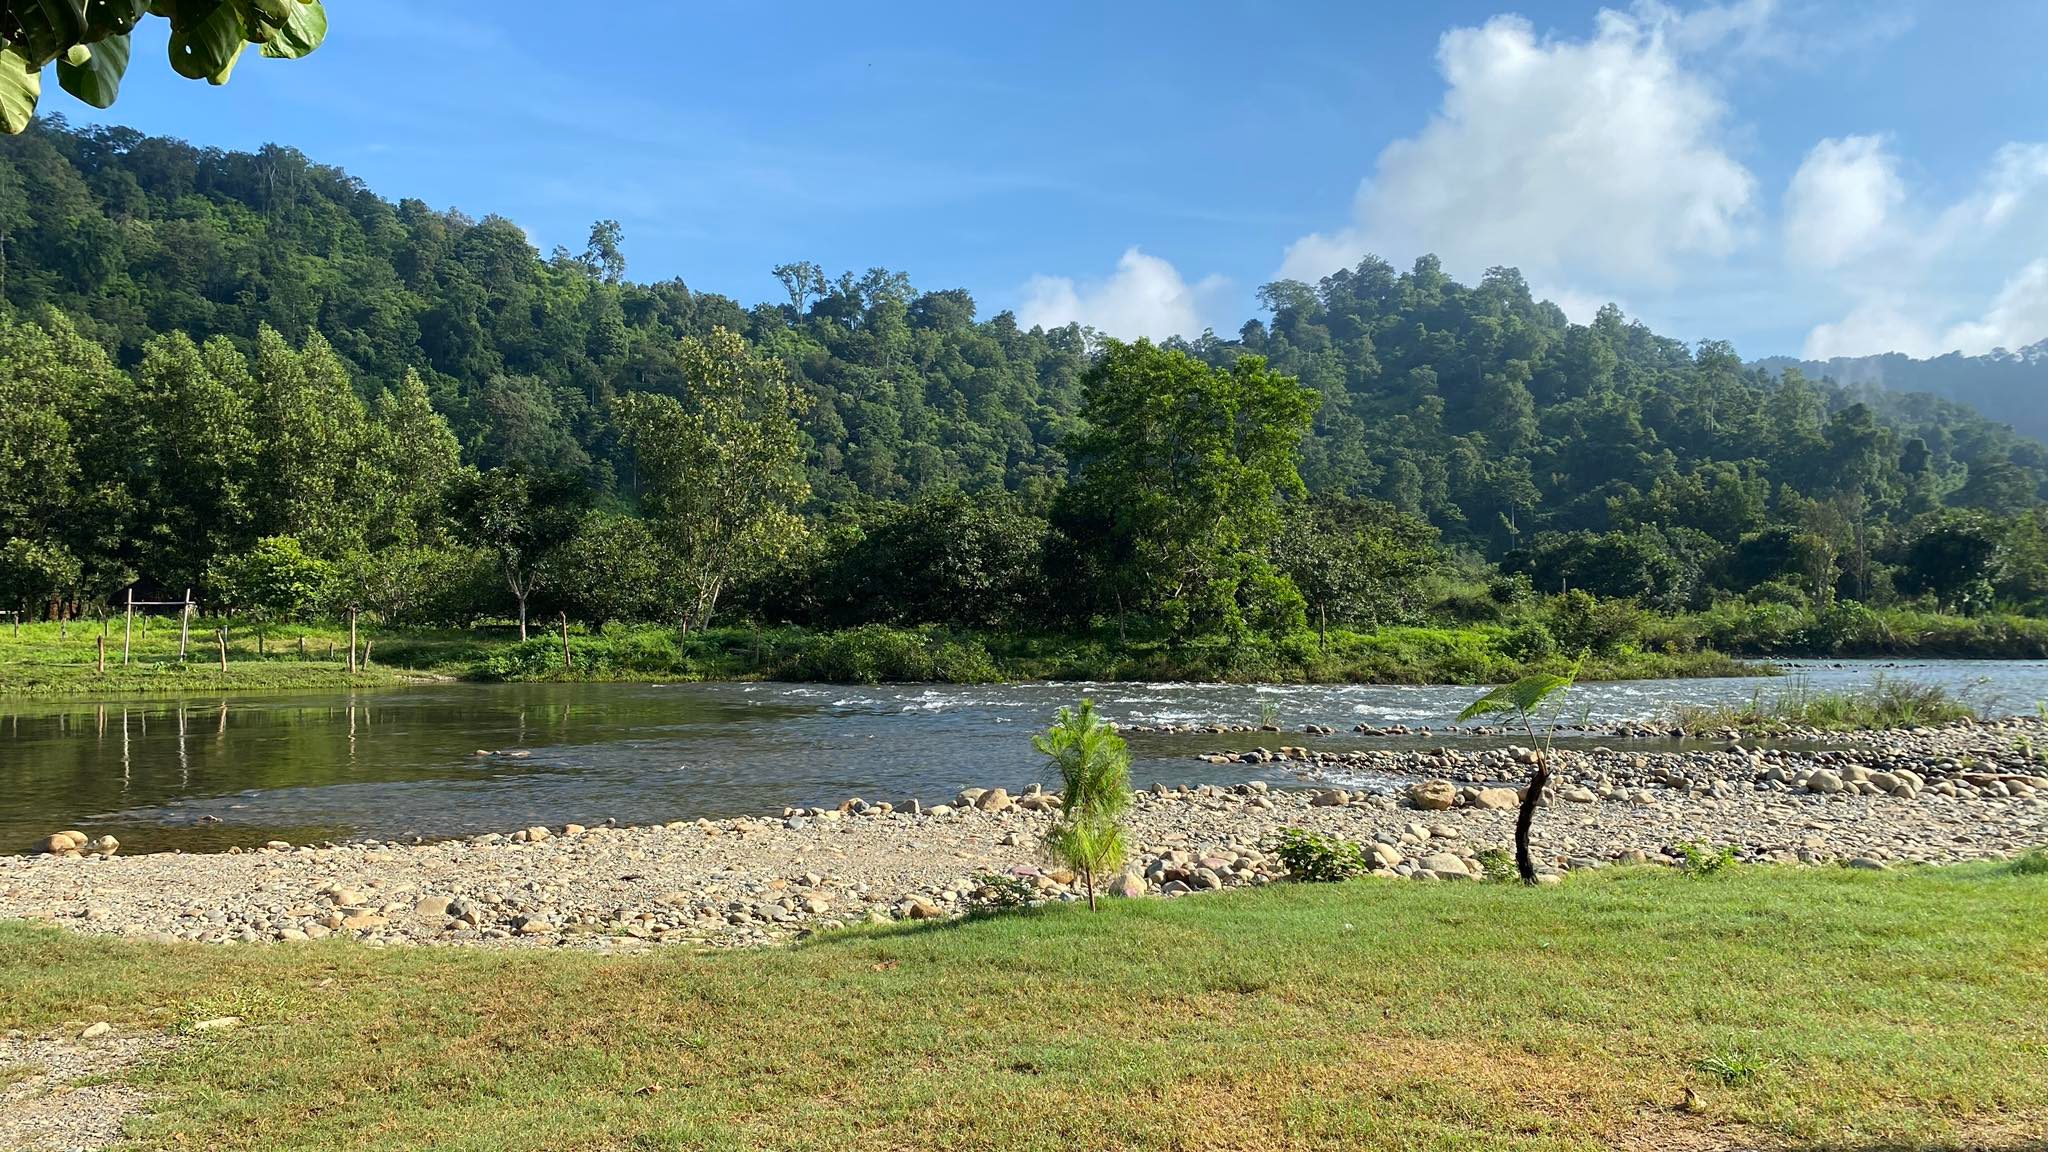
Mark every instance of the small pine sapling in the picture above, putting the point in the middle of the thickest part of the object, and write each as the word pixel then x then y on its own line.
pixel 1095 773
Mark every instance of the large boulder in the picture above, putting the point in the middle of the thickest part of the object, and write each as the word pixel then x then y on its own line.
pixel 993 800
pixel 1446 864
pixel 1496 798
pixel 1432 795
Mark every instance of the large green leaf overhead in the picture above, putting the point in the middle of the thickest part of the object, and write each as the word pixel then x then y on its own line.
pixel 92 72
pixel 88 42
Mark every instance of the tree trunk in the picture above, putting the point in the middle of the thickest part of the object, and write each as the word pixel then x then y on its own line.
pixel 522 615
pixel 1089 874
pixel 1525 862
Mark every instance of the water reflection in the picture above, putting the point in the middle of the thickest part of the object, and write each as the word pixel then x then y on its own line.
pixel 459 758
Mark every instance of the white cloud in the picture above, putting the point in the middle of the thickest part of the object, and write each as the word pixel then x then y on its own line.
pixel 2018 317
pixel 1599 159
pixel 1914 277
pixel 1873 326
pixel 1841 201
pixel 1146 296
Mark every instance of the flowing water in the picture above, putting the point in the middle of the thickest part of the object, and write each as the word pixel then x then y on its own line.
pixel 456 759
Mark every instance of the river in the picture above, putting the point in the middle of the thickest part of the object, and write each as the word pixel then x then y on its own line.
pixel 455 759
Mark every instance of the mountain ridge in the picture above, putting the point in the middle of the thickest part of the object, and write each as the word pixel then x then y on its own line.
pixel 2005 384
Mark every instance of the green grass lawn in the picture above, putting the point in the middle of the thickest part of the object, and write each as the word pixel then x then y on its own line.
pixel 1817 1008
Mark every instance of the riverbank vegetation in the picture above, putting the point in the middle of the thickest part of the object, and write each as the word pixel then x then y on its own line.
pixel 1809 1007
pixel 269 390
pixel 1887 703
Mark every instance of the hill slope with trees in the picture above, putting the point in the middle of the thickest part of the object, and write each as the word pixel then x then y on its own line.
pixel 249 373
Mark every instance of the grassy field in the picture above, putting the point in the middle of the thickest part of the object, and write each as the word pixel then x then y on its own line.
pixel 43 660
pixel 1818 1008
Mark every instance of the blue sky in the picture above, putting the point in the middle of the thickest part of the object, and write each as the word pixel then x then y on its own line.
pixel 1794 176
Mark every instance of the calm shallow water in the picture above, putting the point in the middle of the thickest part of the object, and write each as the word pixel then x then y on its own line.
pixel 205 773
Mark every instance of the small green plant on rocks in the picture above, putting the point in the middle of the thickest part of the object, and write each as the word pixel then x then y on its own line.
pixel 998 891
pixel 2034 863
pixel 1699 861
pixel 1317 858
pixel 1094 765
pixel 1498 864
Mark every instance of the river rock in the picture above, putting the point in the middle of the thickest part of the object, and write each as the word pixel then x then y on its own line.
pixel 1330 798
pixel 994 800
pixel 1128 885
pixel 1443 864
pixel 1825 781
pixel 1432 795
pixel 1495 798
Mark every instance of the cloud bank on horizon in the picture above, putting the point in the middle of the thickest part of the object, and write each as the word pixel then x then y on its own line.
pixel 1606 169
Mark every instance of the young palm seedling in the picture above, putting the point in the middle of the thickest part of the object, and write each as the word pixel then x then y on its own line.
pixel 1095 772
pixel 1523 698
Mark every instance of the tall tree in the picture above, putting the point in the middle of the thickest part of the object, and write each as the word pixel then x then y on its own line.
pixel 523 519
pixel 197 458
pixel 1181 469
pixel 720 472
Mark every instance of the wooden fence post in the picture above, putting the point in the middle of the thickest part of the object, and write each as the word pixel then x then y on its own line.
pixel 128 631
pixel 366 654
pixel 351 640
pixel 184 625
pixel 302 649
pixel 103 654
pixel 568 658
pixel 223 634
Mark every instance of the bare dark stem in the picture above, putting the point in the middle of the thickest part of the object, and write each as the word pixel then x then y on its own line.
pixel 1525 861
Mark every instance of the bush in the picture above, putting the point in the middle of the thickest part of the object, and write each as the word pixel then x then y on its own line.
pixel 1583 623
pixel 873 654
pixel 1319 859
pixel 1527 642
pixel 1498 865
pixel 997 891
pixel 2034 863
pixel 1700 862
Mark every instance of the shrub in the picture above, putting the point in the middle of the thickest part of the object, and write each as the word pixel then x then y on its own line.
pixel 996 891
pixel 873 654
pixel 2034 863
pixel 1700 862
pixel 1318 859
pixel 1527 642
pixel 1497 865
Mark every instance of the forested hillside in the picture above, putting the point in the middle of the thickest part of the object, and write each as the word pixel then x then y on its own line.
pixel 288 354
pixel 2005 384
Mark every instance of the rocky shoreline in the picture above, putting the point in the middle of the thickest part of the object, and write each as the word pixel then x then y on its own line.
pixel 1958 792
